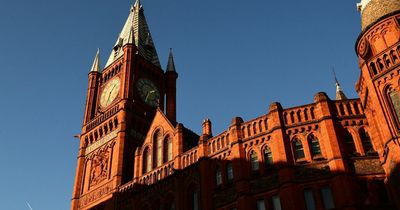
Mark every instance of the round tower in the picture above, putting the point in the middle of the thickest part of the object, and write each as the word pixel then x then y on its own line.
pixel 378 50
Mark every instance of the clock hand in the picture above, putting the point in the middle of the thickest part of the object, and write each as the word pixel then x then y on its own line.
pixel 109 95
pixel 148 94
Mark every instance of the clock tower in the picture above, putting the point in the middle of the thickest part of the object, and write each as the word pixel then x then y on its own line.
pixel 121 102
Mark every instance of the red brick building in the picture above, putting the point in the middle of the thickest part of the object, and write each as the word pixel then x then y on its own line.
pixel 330 154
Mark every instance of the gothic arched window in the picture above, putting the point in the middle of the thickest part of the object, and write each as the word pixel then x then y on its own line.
pixel 146 160
pixel 193 198
pixel 314 144
pixel 218 176
pixel 229 172
pixel 157 139
pixel 365 141
pixel 349 142
pixel 254 161
pixel 394 99
pixel 167 149
pixel 298 149
pixel 268 161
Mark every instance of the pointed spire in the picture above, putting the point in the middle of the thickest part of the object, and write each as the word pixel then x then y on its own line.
pixel 339 92
pixel 137 5
pixel 96 62
pixel 140 36
pixel 171 64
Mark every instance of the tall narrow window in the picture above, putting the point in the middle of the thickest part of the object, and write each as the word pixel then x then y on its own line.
pixel 229 172
pixel 276 202
pixel 395 102
pixel 157 149
pixel 298 149
pixel 254 161
pixel 261 204
pixel 314 144
pixel 146 160
pixel 268 158
pixel 327 198
pixel 348 140
pixel 366 141
pixel 218 176
pixel 195 200
pixel 167 149
pixel 309 198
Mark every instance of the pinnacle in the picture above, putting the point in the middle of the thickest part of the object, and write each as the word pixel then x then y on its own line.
pixel 96 62
pixel 339 92
pixel 137 5
pixel 171 64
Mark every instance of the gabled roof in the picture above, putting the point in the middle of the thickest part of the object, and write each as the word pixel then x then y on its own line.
pixel 135 30
pixel 190 138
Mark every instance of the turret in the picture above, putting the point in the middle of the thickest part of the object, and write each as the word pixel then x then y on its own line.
pixel 207 130
pixel 91 97
pixel 378 48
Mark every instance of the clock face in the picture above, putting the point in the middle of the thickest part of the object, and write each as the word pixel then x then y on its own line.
pixel 148 92
pixel 110 92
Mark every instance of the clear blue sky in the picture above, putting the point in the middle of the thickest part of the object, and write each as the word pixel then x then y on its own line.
pixel 233 58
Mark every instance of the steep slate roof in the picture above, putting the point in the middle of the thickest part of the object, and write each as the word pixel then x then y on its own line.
pixel 137 24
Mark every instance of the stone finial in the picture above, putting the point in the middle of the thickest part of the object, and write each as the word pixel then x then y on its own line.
pixel 179 128
pixel 207 127
pixel 236 121
pixel 321 96
pixel 137 151
pixel 275 106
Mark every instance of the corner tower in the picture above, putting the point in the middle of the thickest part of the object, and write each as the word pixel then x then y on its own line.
pixel 121 102
pixel 378 50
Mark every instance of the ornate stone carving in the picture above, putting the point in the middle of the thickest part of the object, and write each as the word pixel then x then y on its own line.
pixel 95 195
pixel 99 169
pixel 363 48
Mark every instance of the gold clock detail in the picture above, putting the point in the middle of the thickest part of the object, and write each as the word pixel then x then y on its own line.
pixel 110 92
